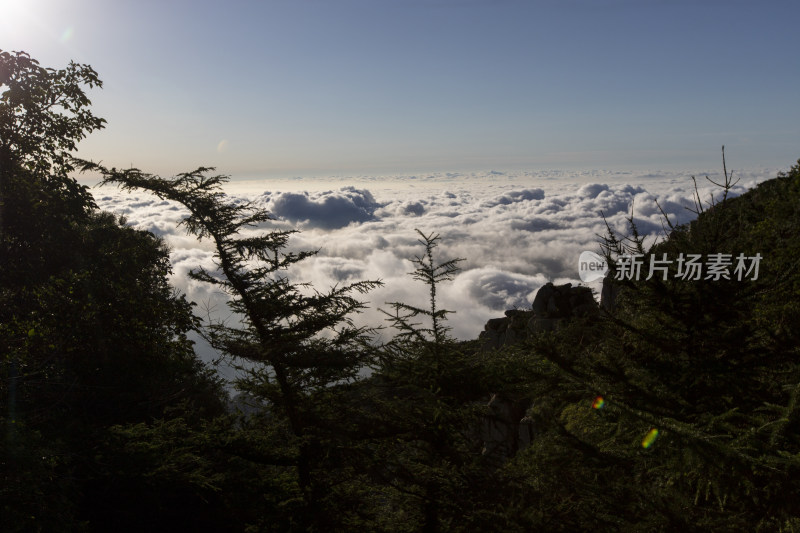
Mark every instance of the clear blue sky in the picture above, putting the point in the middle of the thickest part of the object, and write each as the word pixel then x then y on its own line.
pixel 378 86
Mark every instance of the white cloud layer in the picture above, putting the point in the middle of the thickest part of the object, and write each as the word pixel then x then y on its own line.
pixel 515 232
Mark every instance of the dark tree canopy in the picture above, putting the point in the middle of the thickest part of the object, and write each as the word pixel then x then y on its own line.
pixel 44 112
pixel 677 410
pixel 298 348
pixel 91 333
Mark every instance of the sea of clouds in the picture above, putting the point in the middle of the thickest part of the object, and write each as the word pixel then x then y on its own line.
pixel 515 231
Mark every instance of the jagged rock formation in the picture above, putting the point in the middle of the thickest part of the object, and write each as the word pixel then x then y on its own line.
pixel 552 307
pixel 510 329
pixel 507 428
pixel 609 293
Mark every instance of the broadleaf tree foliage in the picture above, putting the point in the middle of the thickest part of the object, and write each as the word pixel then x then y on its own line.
pixel 91 333
pixel 45 113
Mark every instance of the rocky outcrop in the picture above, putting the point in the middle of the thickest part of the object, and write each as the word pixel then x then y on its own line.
pixel 510 329
pixel 553 306
pixel 609 293
pixel 507 428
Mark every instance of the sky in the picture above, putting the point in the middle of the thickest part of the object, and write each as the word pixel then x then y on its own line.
pixel 352 87
pixel 510 128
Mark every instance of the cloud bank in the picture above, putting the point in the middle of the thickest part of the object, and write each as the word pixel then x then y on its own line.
pixel 327 210
pixel 515 232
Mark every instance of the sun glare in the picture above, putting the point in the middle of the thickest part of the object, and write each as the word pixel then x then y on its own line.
pixel 23 24
pixel 14 12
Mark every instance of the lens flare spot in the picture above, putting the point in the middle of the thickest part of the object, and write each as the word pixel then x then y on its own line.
pixel 598 403
pixel 650 438
pixel 66 35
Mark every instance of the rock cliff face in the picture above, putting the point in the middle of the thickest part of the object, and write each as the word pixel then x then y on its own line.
pixel 553 306
pixel 608 296
pixel 507 428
